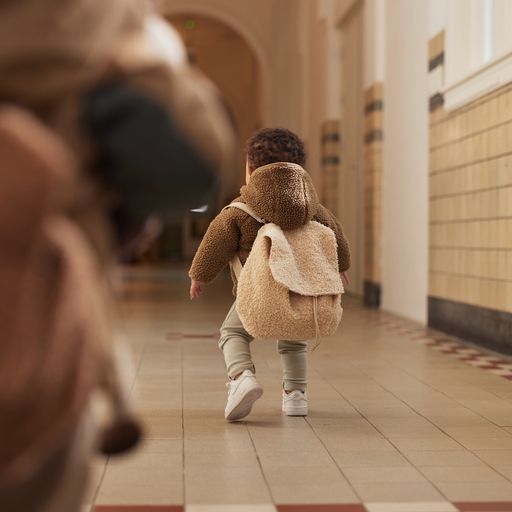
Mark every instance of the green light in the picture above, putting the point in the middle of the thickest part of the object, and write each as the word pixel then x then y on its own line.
pixel 190 24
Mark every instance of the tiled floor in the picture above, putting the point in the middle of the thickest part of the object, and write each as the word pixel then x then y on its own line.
pixel 401 419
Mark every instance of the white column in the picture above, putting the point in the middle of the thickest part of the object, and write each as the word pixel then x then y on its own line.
pixel 405 186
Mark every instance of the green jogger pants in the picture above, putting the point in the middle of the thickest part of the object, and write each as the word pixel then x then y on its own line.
pixel 235 344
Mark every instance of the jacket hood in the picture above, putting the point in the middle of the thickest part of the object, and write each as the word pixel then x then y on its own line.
pixel 282 193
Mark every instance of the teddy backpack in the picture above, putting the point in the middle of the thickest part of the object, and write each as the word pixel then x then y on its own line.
pixel 290 287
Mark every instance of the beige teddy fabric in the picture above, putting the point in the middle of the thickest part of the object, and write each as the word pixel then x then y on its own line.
pixel 290 287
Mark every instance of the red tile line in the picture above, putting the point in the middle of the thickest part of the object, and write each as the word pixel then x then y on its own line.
pixel 485 507
pixel 448 346
pixel 139 508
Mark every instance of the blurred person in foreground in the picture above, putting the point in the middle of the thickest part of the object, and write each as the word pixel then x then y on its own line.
pixel 102 125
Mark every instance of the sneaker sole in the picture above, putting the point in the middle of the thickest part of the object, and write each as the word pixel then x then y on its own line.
pixel 244 407
pixel 296 411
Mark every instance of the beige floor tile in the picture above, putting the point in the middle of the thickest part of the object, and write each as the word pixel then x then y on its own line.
pixel 214 473
pixel 443 458
pixel 97 470
pixel 476 491
pixel 426 444
pixel 398 492
pixel 289 444
pixel 313 493
pixel 140 493
pixel 162 424
pixel 304 475
pixel 218 444
pixel 152 475
pixel 149 446
pixel 461 474
pixel 398 430
pixel 491 443
pixel 207 488
pixel 223 458
pixel 495 457
pixel 365 444
pixel 280 459
pixel 402 475
pixel 347 459
pixel 506 471
pixel 465 432
pixel 377 403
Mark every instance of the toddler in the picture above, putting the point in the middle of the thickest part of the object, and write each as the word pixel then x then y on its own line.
pixel 279 190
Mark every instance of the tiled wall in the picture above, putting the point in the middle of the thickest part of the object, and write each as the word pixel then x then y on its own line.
pixel 373 166
pixel 330 164
pixel 471 213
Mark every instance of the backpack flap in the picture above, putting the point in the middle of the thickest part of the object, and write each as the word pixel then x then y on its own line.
pixel 304 260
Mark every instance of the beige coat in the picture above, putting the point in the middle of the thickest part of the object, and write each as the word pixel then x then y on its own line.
pixel 280 193
pixel 51 300
pixel 56 334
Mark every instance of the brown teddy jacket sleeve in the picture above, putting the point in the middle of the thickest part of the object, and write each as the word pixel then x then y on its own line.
pixel 234 231
pixel 327 218
pixel 219 245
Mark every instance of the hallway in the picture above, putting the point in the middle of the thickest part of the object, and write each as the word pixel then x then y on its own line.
pixel 402 419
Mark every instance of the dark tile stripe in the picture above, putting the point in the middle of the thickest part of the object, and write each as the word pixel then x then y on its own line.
pixel 488 328
pixel 374 106
pixel 436 101
pixel 321 508
pixel 331 160
pixel 485 507
pixel 331 137
pixel 436 61
pixel 373 136
pixel 372 294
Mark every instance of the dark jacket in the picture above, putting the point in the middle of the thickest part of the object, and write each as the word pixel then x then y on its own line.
pixel 281 193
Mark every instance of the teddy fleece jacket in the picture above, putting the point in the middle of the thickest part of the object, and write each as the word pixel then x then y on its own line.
pixel 282 193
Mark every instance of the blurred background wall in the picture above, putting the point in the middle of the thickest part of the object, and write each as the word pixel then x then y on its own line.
pixel 406 110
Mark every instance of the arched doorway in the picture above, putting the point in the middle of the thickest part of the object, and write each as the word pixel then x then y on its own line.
pixel 225 56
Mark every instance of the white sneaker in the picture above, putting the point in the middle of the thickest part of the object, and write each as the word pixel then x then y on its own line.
pixel 295 403
pixel 242 393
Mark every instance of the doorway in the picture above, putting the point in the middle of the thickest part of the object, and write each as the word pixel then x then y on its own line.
pixel 227 59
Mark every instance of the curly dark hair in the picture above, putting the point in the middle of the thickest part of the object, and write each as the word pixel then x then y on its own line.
pixel 270 145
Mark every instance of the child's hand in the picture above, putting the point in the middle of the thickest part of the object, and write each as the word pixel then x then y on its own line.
pixel 345 278
pixel 196 289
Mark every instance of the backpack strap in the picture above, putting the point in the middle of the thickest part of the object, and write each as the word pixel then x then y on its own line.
pixel 247 209
pixel 235 263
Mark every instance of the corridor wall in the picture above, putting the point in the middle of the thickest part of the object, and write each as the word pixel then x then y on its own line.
pixel 470 179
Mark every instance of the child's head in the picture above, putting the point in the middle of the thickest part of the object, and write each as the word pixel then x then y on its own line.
pixel 271 145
